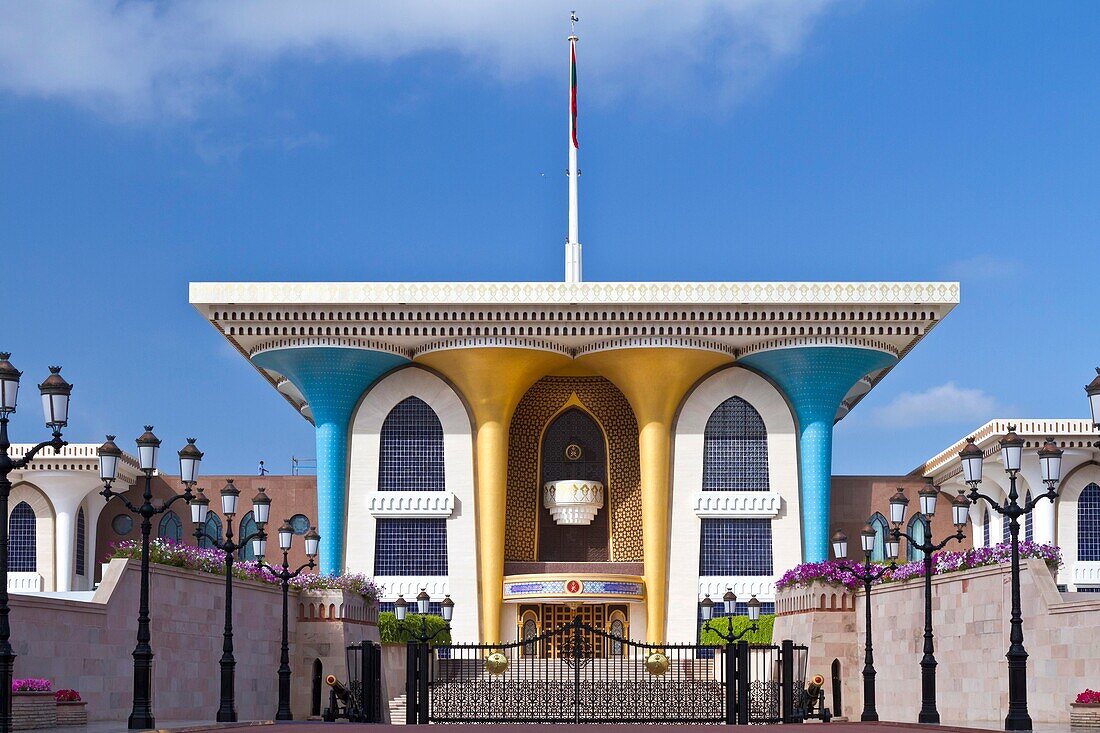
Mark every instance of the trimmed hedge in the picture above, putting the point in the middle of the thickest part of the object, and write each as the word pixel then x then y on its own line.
pixel 762 636
pixel 393 632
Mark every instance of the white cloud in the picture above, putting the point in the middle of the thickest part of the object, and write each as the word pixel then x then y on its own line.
pixel 136 59
pixel 943 405
pixel 985 267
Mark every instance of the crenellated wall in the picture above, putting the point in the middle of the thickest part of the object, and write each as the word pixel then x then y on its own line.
pixel 84 641
pixel 970 612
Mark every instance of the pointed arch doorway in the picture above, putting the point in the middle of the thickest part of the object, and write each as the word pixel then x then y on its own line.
pixel 573 447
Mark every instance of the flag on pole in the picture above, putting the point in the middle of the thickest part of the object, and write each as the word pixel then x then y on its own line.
pixel 573 88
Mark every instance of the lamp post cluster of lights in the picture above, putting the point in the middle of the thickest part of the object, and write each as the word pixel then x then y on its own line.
pixel 729 605
pixel 416 675
pixel 148 446
pixel 867 573
pixel 284 575
pixel 200 510
pixel 1050 465
pixel 55 392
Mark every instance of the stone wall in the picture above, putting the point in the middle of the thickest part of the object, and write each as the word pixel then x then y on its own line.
pixel 970 618
pixel 86 645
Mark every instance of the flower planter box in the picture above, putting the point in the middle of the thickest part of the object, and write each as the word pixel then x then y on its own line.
pixel 1084 715
pixel 33 710
pixel 72 713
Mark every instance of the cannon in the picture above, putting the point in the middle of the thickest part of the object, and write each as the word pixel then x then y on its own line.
pixel 812 701
pixel 344 701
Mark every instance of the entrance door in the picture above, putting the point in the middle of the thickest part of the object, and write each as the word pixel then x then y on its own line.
pixel 545 617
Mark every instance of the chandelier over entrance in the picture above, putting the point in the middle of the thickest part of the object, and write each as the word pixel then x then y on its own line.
pixel 573 501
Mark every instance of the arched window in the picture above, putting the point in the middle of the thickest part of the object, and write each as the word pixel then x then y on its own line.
pixel 213 528
pixel 918 530
pixel 411 449
pixel 1029 525
pixel 735 449
pixel 22 539
pixel 1088 524
pixel 985 529
pixel 171 528
pixel 81 542
pixel 248 526
pixel 878 522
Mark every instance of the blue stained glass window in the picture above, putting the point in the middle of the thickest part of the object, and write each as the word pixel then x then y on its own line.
pixel 985 530
pixel 918 530
pixel 22 539
pixel 735 449
pixel 411 449
pixel 81 542
pixel 878 522
pixel 410 547
pixel 1006 532
pixel 1088 524
pixel 1029 523
pixel 735 547
pixel 213 528
pixel 248 526
pixel 171 528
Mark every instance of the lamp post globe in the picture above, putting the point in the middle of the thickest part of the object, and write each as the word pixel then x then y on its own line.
pixel 190 458
pixel 840 545
pixel 972 457
pixel 55 399
pixel 1092 389
pixel 707 607
pixel 867 537
pixel 9 384
pixel 928 496
pixel 899 503
pixel 1050 462
pixel 1012 450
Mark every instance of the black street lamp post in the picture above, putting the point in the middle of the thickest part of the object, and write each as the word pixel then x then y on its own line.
pixel 55 404
pixel 1050 463
pixel 284 575
pixel 960 511
pixel 141 715
pixel 729 604
pixel 867 573
pixel 418 650
pixel 200 508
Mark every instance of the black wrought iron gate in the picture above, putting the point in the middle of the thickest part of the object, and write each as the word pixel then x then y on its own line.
pixel 594 676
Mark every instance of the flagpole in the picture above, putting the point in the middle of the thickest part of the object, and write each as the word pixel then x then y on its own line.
pixel 573 245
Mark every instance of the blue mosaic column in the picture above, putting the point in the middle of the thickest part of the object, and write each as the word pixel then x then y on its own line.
pixel 332 380
pixel 815 380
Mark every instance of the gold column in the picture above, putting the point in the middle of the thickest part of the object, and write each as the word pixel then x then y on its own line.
pixel 493 381
pixel 654 381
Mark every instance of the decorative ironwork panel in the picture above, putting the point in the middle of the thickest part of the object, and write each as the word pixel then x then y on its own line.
pixel 586 681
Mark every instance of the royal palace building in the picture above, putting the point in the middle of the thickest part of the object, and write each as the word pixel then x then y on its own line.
pixel 535 449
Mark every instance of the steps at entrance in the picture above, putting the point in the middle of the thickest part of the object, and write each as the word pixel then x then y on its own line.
pixel 397 710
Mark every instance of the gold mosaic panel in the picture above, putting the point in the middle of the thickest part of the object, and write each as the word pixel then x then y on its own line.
pixel 606 403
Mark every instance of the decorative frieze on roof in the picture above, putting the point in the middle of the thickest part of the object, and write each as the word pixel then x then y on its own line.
pixel 476 293
pixel 1066 433
pixel 75 457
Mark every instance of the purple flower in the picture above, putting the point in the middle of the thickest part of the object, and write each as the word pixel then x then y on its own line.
pixel 834 573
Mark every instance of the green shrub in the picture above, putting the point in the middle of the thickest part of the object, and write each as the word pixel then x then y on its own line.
pixel 393 632
pixel 762 636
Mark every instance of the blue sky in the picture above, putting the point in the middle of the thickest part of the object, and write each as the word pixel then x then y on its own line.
pixel 143 146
